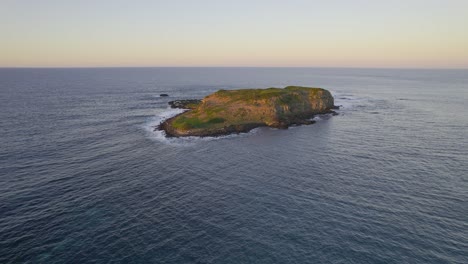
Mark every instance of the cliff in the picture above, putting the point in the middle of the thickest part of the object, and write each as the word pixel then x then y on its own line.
pixel 234 111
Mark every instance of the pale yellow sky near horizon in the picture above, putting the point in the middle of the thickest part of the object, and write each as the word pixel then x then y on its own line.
pixel 413 33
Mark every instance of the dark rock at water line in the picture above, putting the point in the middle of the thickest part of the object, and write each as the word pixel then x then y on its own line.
pixel 163 95
pixel 238 111
pixel 185 104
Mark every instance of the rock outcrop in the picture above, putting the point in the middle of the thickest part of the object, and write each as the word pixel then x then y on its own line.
pixel 235 111
pixel 185 104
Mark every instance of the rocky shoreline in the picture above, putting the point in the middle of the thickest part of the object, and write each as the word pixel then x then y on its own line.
pixel 185 104
pixel 231 129
pixel 216 114
pixel 236 129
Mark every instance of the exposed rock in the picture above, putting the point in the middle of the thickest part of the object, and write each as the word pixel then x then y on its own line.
pixel 235 111
pixel 185 104
pixel 163 95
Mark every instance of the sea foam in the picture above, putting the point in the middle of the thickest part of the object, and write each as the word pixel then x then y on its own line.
pixel 160 136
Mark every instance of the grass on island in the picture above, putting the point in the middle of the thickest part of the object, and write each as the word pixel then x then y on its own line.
pixel 184 123
pixel 260 94
pixel 214 115
pixel 192 105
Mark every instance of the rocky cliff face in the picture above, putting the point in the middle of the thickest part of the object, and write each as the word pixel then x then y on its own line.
pixel 235 111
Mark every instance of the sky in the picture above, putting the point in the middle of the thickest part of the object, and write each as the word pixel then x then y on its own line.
pixel 274 33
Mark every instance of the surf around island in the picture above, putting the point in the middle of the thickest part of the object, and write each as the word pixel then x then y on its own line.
pixel 236 111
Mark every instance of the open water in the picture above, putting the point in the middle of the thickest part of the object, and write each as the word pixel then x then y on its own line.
pixel 85 179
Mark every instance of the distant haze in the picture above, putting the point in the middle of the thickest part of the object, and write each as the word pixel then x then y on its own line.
pixel 333 33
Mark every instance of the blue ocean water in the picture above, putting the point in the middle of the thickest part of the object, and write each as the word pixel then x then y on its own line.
pixel 85 179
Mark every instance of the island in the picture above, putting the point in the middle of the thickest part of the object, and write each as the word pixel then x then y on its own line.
pixel 236 111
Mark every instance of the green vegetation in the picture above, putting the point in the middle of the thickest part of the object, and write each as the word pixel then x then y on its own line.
pixel 251 94
pixel 192 105
pixel 216 120
pixel 262 94
pixel 184 123
pixel 236 110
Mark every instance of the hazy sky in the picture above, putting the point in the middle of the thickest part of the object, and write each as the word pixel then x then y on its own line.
pixel 330 33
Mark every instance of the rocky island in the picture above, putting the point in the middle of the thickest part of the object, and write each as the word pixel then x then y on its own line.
pixel 235 111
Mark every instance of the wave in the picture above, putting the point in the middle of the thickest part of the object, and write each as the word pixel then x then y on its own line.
pixel 321 117
pixel 348 101
pixel 344 100
pixel 153 122
pixel 160 136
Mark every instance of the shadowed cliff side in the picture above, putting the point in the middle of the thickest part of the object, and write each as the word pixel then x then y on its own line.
pixel 235 111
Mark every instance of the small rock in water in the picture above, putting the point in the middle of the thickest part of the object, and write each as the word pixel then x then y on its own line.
pixel 162 95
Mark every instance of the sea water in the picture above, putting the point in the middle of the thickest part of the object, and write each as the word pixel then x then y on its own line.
pixel 85 178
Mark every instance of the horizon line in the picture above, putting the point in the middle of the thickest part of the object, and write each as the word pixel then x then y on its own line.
pixel 298 67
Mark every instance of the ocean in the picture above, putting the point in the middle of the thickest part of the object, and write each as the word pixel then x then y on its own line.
pixel 84 178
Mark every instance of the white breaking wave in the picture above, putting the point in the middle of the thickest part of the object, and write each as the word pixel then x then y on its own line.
pixel 160 136
pixel 152 123
pixel 345 101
